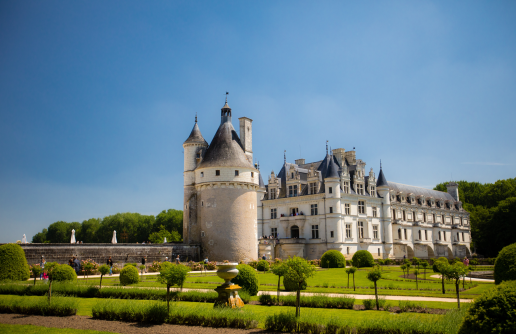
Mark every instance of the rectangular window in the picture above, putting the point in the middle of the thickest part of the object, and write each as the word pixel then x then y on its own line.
pixel 347 209
pixel 375 231
pixel 313 188
pixel 294 211
pixel 217 172
pixel 372 192
pixel 236 173
pixel 444 235
pixel 313 209
pixel 346 187
pixel 331 234
pixel 273 194
pixel 202 174
pixel 252 174
pixel 360 229
pixel 405 232
pixel 274 232
pixel 462 236
pixel 330 190
pixel 292 191
pixel 424 217
pixel 274 214
pixel 361 207
pixel 331 209
pixel 378 251
pixel 348 232
pixel 404 216
pixel 315 231
pixel 347 250
pixel 202 234
pixel 374 211
pixel 426 235
pixel 360 189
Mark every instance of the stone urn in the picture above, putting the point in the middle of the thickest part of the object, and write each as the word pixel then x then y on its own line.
pixel 227 271
pixel 228 292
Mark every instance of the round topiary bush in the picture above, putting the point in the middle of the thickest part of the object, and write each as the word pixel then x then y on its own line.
pixel 291 286
pixel 13 264
pixel 333 259
pixel 436 263
pixel 247 279
pixel 63 272
pixel 362 258
pixel 129 275
pixel 262 265
pixel 505 265
pixel 493 311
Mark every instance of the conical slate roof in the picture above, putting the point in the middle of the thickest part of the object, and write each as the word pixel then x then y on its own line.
pixel 260 181
pixel 225 149
pixel 333 169
pixel 382 181
pixel 195 136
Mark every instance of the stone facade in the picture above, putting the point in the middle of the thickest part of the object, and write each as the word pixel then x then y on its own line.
pixel 120 253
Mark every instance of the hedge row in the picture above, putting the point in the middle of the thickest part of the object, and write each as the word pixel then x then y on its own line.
pixel 60 306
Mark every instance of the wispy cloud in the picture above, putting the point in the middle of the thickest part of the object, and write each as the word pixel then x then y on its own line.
pixel 485 163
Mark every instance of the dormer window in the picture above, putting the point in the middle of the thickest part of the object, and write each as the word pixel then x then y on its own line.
pixel 346 187
pixel 291 175
pixel 236 173
pixel 360 189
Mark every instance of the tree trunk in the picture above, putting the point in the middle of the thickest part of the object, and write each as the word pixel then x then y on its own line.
pixel 444 291
pixel 348 281
pixel 417 286
pixel 181 290
pixel 424 273
pixel 168 298
pixel 101 281
pixel 34 280
pixel 463 280
pixel 298 297
pixel 457 290
pixel 279 279
pixel 354 289
pixel 49 290
pixel 376 293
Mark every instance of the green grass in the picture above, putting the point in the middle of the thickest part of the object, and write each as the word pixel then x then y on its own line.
pixel 30 329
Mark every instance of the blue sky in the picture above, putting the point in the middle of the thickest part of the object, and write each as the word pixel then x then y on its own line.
pixel 96 98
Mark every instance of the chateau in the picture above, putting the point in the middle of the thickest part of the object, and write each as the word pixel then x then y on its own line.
pixel 309 208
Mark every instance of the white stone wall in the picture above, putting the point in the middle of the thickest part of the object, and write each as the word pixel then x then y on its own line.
pixel 227 174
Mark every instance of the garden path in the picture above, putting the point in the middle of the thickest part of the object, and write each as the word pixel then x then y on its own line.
pixel 473 279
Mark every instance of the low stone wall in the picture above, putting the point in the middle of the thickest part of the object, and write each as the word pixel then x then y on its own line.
pixel 120 253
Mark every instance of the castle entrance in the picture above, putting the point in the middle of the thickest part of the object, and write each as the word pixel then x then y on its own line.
pixel 294 232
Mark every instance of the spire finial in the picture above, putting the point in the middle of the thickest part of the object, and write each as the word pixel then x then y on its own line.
pixel 380 163
pixel 285 156
pixel 195 117
pixel 326 147
pixel 227 97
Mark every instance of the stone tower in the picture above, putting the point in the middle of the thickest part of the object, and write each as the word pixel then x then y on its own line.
pixel 221 194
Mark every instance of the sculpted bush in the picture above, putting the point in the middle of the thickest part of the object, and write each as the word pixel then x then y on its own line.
pixel 63 272
pixel 291 286
pixel 363 258
pixel 129 275
pixel 247 279
pixel 13 264
pixel 262 265
pixel 492 312
pixel 505 265
pixel 333 259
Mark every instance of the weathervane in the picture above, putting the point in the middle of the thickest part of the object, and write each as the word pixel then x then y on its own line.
pixel 326 147
pixel 227 97
pixel 285 156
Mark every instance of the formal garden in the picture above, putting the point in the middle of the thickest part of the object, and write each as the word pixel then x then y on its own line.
pixel 329 295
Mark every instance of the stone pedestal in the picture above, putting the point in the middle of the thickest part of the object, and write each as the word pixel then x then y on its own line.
pixel 228 296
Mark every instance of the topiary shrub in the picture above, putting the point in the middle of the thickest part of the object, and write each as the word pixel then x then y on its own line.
pixel 262 265
pixel 362 258
pixel 291 286
pixel 129 275
pixel 333 259
pixel 436 263
pixel 63 272
pixel 492 312
pixel 505 265
pixel 247 279
pixel 13 264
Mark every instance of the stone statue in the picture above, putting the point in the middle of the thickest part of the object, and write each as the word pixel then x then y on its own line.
pixel 113 240
pixel 24 239
pixel 72 239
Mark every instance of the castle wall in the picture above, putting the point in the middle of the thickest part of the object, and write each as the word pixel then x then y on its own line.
pixel 228 219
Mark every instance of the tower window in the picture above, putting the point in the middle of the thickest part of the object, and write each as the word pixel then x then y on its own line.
pixel 252 174
pixel 374 211
pixel 330 190
pixel 217 172
pixel 202 234
pixel 236 173
pixel 331 209
pixel 202 174
pixel 202 203
pixel 378 251
pixel 331 234
pixel 375 231
pixel 348 232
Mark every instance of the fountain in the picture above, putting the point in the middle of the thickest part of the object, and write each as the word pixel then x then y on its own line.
pixel 228 292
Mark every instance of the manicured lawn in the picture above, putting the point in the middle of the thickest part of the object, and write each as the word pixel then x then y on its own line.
pixel 30 329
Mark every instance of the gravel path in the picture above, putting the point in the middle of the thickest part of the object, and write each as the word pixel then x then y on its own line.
pixel 81 322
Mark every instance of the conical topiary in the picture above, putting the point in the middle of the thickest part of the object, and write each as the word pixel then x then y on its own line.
pixel 13 264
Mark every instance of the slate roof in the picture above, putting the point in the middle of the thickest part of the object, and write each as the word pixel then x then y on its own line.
pixel 333 168
pixel 418 191
pixel 260 181
pixel 382 181
pixel 225 149
pixel 195 136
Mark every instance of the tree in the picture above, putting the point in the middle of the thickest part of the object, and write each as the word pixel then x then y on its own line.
pixel 36 271
pixel 13 264
pixel 142 269
pixel 505 265
pixel 333 259
pixel 425 265
pixel 352 271
pixel 172 220
pixel 416 261
pixel 87 266
pixel 455 272
pixel 58 232
pixel 403 267
pixel 299 270
pixel 279 269
pixel 104 269
pixel 440 266
pixel 88 231
pixel 49 269
pixel 375 275
pixel 40 237
pixel 171 275
pixel 416 272
pixel 159 237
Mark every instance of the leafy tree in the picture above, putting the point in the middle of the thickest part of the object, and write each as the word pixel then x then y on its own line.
pixel 403 267
pixel 40 237
pixel 58 232
pixel 36 272
pixel 159 237
pixel 455 272
pixel 88 231
pixel 13 264
pixel 172 220
pixel 362 258
pixel 333 259
pixel 171 275
pixel 49 269
pixel 247 279
pixel 280 269
pixel 416 273
pixel 440 266
pixel 299 271
pixel 374 276
pixel 104 270
pixel 505 265
pixel 425 265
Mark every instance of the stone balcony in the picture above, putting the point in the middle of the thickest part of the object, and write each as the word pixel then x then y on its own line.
pixel 292 241
pixel 400 241
pixel 364 240
pixel 299 218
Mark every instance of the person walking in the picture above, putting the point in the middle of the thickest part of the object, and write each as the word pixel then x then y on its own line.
pixel 177 259
pixel 42 265
pixel 466 261
pixel 144 259
pixel 166 259
pixel 110 264
pixel 77 265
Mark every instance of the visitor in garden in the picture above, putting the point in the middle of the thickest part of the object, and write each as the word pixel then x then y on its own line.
pixel 110 265
pixel 177 259
pixel 42 265
pixel 466 261
pixel 70 263
pixel 77 265
pixel 143 262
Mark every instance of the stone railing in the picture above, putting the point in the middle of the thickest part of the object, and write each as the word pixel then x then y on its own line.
pixel 292 241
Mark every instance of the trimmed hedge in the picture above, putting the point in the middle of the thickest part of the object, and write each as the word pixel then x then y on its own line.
pixel 333 259
pixel 436 263
pixel 292 286
pixel 60 306
pixel 129 275
pixel 13 264
pixel 363 258
pixel 493 312
pixel 247 279
pixel 63 272
pixel 505 265
pixel 262 265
